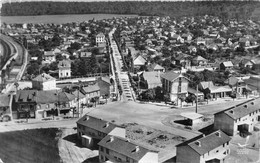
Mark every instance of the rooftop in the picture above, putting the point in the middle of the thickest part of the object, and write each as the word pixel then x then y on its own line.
pixel 203 144
pixel 125 147
pixel 43 78
pixel 242 109
pixel 96 124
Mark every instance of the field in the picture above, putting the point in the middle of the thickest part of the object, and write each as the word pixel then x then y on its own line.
pixel 30 146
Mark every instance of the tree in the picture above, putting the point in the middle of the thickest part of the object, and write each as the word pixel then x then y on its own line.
pixel 207 94
pixel 190 99
pixel 233 95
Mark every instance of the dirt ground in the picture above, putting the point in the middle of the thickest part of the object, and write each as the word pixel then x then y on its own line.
pixel 30 146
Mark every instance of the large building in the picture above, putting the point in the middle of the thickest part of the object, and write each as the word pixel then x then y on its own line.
pixel 175 84
pixel 204 149
pixel 100 39
pixel 64 69
pixel 239 118
pixel 91 130
pixel 44 82
pixel 117 149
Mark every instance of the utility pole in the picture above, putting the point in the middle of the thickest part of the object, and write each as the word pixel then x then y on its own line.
pixel 197 98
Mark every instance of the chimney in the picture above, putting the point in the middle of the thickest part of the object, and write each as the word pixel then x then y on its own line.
pixel 245 106
pixel 111 138
pixel 198 143
pixel 106 125
pixel 137 149
pixel 87 117
pixel 127 140
pixel 218 134
pixel 231 111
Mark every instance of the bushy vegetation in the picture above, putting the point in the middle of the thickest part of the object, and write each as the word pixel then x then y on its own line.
pixel 224 9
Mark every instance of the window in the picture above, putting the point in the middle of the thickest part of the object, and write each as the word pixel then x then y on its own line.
pixel 101 149
pixel 107 151
pixel 223 145
pixel 227 142
pixel 127 159
pixel 216 151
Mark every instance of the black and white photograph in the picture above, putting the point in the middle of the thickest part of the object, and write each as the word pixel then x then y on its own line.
pixel 129 81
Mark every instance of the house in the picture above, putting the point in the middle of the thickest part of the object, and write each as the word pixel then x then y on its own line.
pixel 91 130
pixel 155 67
pixel 246 63
pixel 44 82
pixel 104 85
pixel 117 149
pixel 5 107
pixel 41 104
pixel 64 69
pixel 253 85
pixel 49 56
pixel 183 60
pixel 204 148
pixel 199 61
pixel 238 118
pixel 237 84
pixel 100 39
pixel 92 92
pixel 151 79
pixel 215 91
pixel 227 65
pixel 244 42
pixel 175 84
pixel 196 93
pixel 139 61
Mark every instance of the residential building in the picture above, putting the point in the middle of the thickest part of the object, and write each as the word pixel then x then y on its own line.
pixel 246 63
pixel 227 65
pixel 238 118
pixel 237 84
pixel 199 61
pixel 100 39
pixel 91 130
pixel 44 82
pixel 92 92
pixel 41 104
pixel 64 69
pixel 175 84
pixel 116 149
pixel 139 61
pixel 49 56
pixel 151 79
pixel 253 85
pixel 204 148
pixel 215 91
pixel 104 85
pixel 155 67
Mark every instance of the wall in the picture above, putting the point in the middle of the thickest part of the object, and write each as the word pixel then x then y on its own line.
pixel 185 154
pixel 224 123
pixel 216 153
pixel 150 157
pixel 64 73
pixel 49 85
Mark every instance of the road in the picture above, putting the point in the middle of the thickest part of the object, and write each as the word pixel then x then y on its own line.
pixel 122 75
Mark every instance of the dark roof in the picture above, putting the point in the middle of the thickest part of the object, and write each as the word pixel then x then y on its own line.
pixel 44 97
pixel 43 77
pixel 96 124
pixel 91 88
pixel 171 75
pixel 242 109
pixel 154 66
pixel 203 144
pixel 125 147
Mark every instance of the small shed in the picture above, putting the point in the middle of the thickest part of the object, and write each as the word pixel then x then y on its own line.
pixel 192 117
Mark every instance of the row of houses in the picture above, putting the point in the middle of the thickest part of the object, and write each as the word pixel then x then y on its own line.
pixel 213 147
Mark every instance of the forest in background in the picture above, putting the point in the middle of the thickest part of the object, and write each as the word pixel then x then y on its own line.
pixel 223 9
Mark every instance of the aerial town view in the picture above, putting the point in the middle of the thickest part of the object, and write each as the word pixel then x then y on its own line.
pixel 130 81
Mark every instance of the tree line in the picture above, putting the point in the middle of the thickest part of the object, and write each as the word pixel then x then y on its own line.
pixel 224 9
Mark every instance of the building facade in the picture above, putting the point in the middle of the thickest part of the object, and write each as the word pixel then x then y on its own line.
pixel 64 69
pixel 204 148
pixel 239 118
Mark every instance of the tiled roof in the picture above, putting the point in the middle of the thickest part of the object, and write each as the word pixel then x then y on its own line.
pixel 91 88
pixel 43 78
pixel 152 77
pixel 199 58
pixel 43 97
pixel 242 109
pixel 155 66
pixel 203 144
pixel 96 124
pixel 64 63
pixel 124 147
pixel 171 75
pixel 227 64
pixel 207 84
